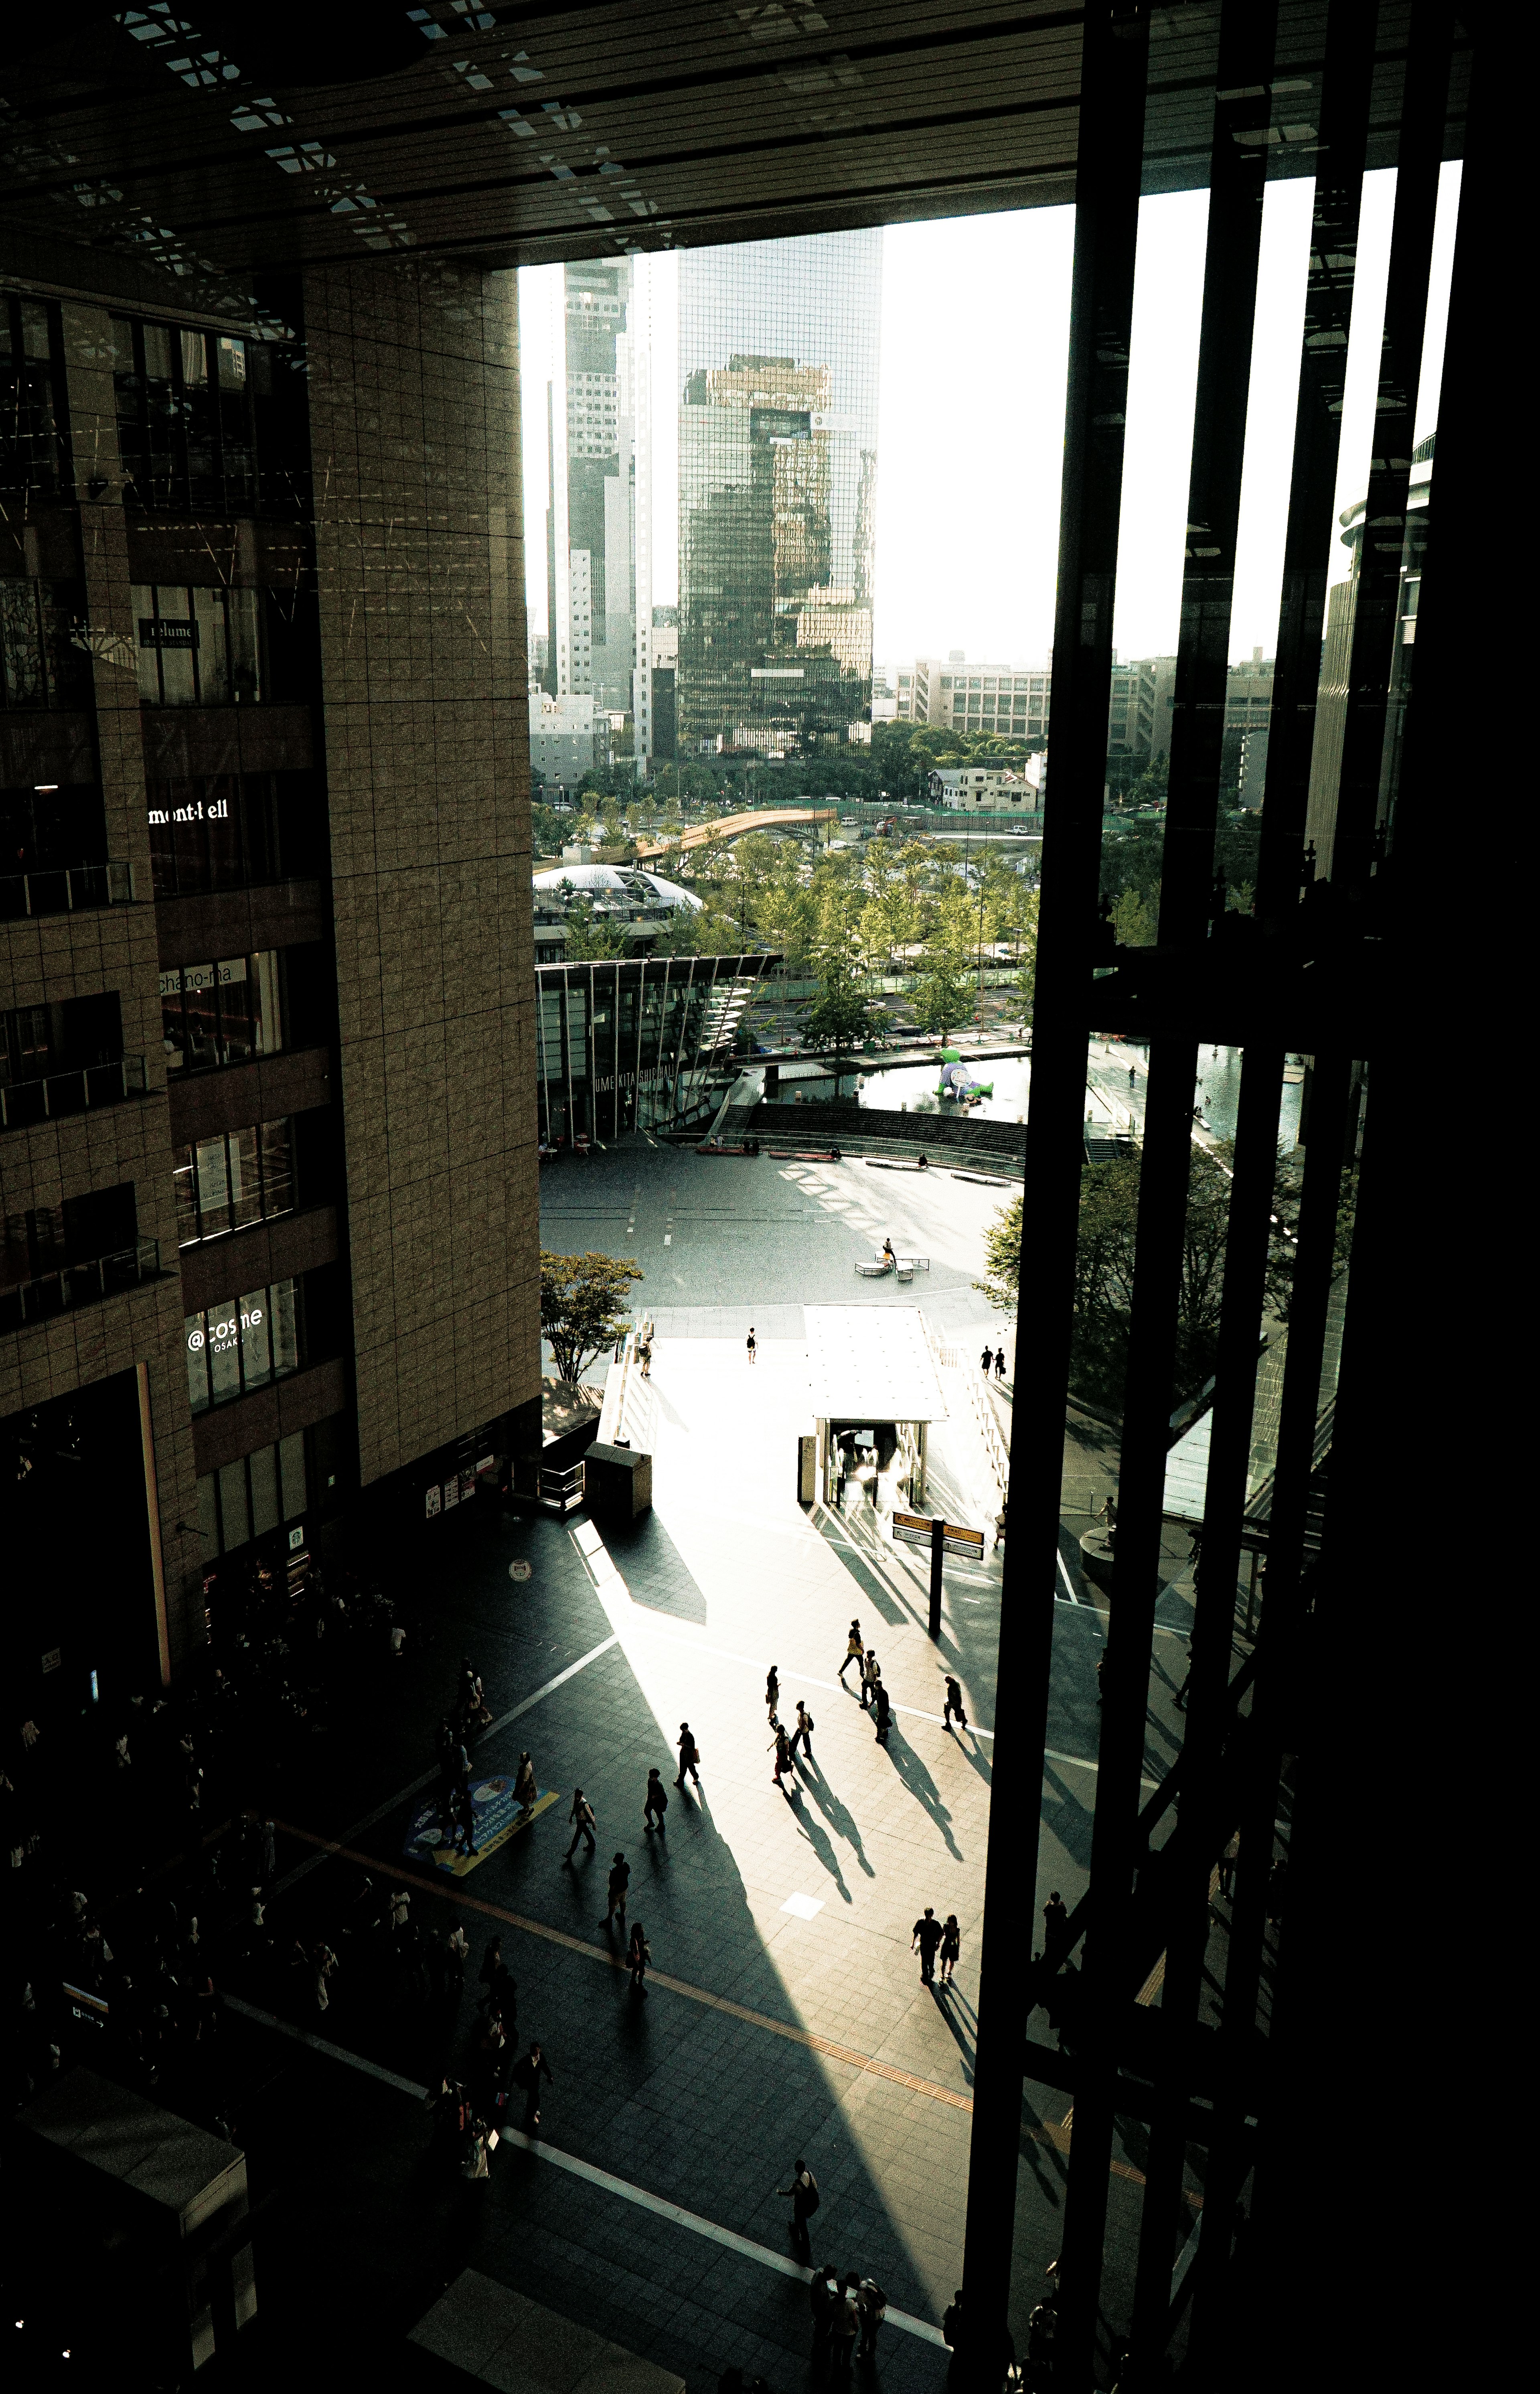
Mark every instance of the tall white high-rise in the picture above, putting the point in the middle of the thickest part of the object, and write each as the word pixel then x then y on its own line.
pixel 599 521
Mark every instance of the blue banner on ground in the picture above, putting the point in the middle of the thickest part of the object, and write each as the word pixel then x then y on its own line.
pixel 437 1840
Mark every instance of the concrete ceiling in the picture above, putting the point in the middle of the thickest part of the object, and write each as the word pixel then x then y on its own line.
pixel 232 143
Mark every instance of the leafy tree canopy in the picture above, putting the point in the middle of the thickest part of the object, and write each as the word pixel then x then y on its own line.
pixel 583 1307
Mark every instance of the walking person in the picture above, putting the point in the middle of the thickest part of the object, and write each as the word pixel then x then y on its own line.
pixel 999 1362
pixel 927 1937
pixel 647 1359
pixel 781 1749
pixel 456 1953
pixel 1228 1861
pixel 884 1712
pixel 955 1711
pixel 1000 1526
pixel 871 1672
pixel 752 1345
pixel 804 2194
pixel 525 1792
pixel 951 1947
pixel 465 1821
pixel 581 1818
pixel 773 1691
pixel 803 1733
pixel 620 1879
pixel 527 2074
pixel 656 1802
pixel 854 1651
pixel 637 1955
pixel 690 1755
pixel 1056 1921
pixel 986 1361
pixel 491 1961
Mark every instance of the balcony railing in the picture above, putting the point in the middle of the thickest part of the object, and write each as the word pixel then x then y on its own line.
pixel 23 1103
pixel 66 890
pixel 87 1284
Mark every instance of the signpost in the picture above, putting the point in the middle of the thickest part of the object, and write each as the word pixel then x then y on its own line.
pixel 942 1538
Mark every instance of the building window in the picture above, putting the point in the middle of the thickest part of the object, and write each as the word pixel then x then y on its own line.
pixel 242 1343
pixel 40 662
pixel 31 407
pixel 237 1177
pixel 223 1013
pixel 256 1493
pixel 197 648
pixel 185 415
pixel 218 832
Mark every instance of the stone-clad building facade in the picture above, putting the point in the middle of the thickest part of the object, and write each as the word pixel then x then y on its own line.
pixel 268 1163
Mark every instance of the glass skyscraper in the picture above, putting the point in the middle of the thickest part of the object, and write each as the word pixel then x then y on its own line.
pixel 599 516
pixel 777 459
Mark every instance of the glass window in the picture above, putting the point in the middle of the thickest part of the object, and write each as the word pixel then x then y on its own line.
pixel 222 1347
pixel 264 1490
pixel 214 1192
pixel 241 1344
pixel 208 1515
pixel 285 1327
pixel 184 1182
pixel 235 1519
pixel 291 1467
pixel 245 1178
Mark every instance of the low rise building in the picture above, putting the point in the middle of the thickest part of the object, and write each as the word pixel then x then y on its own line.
pixel 988 787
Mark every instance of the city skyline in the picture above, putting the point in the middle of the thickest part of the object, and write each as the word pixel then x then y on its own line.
pixel 965 553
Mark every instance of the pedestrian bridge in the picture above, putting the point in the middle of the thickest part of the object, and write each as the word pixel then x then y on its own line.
pixel 733 827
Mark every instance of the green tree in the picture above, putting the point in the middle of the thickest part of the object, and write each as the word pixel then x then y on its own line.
pixel 1136 916
pixel 944 991
pixel 1002 1280
pixel 583 1307
pixel 591 936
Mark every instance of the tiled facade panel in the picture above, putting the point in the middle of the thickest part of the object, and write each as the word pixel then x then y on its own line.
pixel 414 439
pixel 115 948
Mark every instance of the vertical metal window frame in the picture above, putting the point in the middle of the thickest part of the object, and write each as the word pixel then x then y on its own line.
pixel 1113 70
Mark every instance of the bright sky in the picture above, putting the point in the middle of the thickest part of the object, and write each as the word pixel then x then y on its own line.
pixel 971 424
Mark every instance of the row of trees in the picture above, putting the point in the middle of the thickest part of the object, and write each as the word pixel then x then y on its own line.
pixel 1104 1268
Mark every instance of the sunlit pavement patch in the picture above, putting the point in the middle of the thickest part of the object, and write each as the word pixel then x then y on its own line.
pixel 497 1818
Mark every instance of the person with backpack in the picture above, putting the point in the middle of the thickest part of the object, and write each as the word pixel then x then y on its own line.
pixel 803 1733
pixel 656 1802
pixel 870 1672
pixel 804 2194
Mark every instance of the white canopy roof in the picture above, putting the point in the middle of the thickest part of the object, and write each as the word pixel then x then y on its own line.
pixel 628 880
pixel 870 1364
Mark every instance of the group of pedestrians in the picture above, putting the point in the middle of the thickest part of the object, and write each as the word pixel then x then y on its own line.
pixel 874 1694
pixel 466 1718
pixel 993 1360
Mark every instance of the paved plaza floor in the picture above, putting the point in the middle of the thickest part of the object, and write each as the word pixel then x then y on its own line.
pixel 785 2015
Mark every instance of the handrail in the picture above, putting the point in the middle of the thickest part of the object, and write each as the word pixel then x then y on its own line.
pixel 24 1103
pixel 77 887
pixel 84 1284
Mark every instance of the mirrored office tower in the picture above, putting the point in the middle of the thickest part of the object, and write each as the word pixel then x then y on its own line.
pixel 598 515
pixel 777 459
